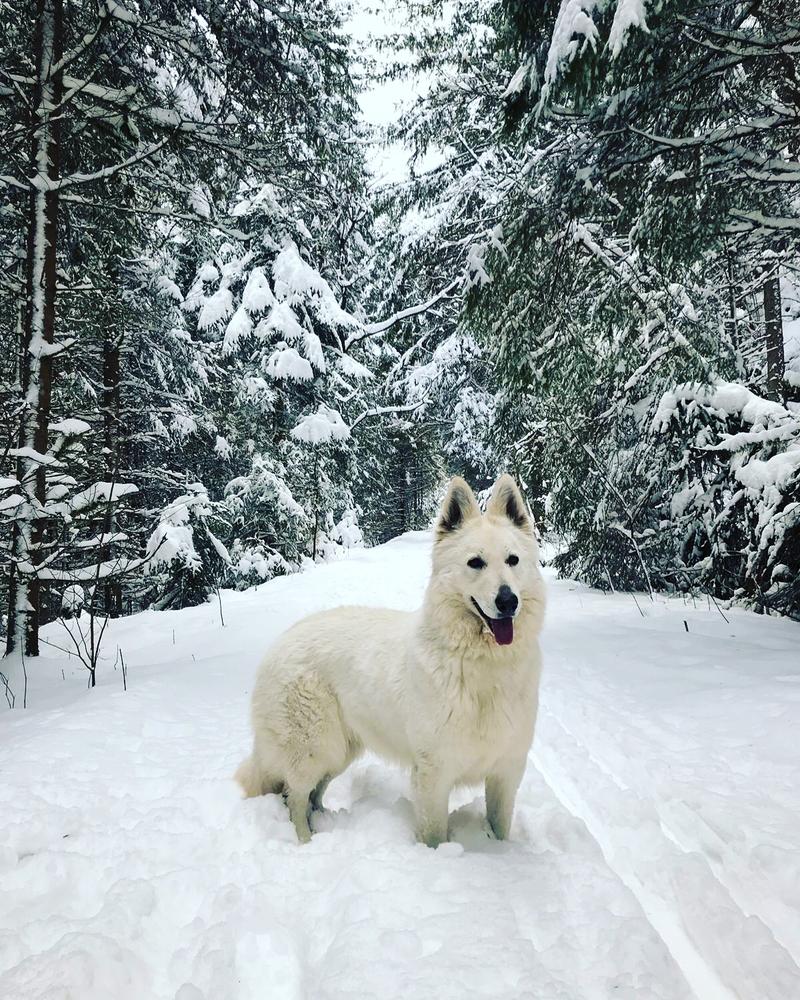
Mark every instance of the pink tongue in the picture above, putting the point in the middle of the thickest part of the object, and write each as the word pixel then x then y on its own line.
pixel 502 630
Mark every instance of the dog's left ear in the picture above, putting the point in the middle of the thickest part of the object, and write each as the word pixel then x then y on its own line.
pixel 506 501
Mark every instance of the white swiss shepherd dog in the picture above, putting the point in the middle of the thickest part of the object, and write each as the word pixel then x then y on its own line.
pixel 449 691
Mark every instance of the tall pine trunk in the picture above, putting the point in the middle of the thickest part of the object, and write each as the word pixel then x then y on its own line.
pixel 36 356
pixel 731 321
pixel 111 376
pixel 773 328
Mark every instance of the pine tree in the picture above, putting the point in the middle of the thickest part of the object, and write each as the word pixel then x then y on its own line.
pixel 622 208
pixel 142 125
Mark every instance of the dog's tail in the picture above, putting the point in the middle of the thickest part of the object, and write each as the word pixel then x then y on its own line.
pixel 250 778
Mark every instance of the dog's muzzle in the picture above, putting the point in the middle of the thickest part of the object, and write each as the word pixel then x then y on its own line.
pixel 501 628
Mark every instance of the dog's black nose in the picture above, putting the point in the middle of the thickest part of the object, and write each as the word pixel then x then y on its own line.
pixel 506 601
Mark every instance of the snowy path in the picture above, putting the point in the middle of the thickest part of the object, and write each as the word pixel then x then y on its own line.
pixel 656 849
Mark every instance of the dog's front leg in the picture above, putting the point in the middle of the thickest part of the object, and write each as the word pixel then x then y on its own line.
pixel 431 799
pixel 501 790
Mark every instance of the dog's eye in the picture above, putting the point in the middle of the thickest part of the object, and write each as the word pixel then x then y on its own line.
pixel 512 560
pixel 476 563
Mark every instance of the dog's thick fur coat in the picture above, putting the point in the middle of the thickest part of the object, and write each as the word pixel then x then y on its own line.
pixel 450 691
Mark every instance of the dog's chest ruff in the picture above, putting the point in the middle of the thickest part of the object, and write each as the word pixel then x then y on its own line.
pixel 485 720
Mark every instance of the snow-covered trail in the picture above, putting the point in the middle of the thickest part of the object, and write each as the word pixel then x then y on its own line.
pixel 656 849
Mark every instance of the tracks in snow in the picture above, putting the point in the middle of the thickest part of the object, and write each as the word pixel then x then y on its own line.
pixel 700 975
pixel 683 894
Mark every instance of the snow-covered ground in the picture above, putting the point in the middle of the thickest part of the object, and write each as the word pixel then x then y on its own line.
pixel 655 851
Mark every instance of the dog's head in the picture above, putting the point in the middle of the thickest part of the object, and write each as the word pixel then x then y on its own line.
pixel 489 563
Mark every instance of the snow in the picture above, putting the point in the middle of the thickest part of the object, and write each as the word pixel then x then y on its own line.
pixel 476 265
pixel 320 427
pixel 222 447
pixel 199 200
pixel 11 502
pixel 105 538
pixel 173 539
pixel 101 493
pixel 312 345
pixel 183 425
pixel 219 547
pixel 779 470
pixel 90 573
pixel 257 294
pixel 208 272
pixel 352 368
pixel 347 532
pixel 282 320
pixel 32 455
pixel 73 598
pixel 296 281
pixel 655 852
pixel 727 397
pixel 287 363
pixel 517 81
pixel 263 564
pixel 629 14
pixel 573 31
pixel 239 326
pixel 167 287
pixel 215 308
pixel 684 499
pixel 70 427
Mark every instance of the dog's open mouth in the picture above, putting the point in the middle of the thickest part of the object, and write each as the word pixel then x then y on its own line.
pixel 501 628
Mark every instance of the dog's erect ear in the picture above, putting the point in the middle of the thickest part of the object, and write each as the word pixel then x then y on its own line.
pixel 507 502
pixel 459 506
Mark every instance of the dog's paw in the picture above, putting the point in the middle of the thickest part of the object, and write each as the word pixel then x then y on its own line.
pixel 450 849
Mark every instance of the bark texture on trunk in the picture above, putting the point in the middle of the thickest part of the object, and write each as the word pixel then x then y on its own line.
pixel 773 327
pixel 111 378
pixel 36 359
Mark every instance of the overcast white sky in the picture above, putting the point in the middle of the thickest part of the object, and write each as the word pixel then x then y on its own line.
pixel 381 103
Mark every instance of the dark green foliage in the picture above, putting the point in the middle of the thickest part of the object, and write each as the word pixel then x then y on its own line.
pixel 629 206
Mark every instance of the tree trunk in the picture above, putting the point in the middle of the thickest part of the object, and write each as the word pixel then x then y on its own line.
pixel 316 507
pixel 773 327
pixel 38 332
pixel 111 369
pixel 731 321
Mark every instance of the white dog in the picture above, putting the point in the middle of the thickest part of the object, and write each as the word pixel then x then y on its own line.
pixel 450 691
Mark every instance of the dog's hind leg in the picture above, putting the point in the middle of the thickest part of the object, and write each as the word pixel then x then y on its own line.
pixel 254 780
pixel 319 791
pixel 353 749
pixel 314 745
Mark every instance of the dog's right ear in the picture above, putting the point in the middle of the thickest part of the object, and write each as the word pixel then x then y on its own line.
pixel 459 506
pixel 506 501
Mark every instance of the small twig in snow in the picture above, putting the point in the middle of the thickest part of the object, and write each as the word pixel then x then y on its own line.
pixel 726 620
pixel 10 696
